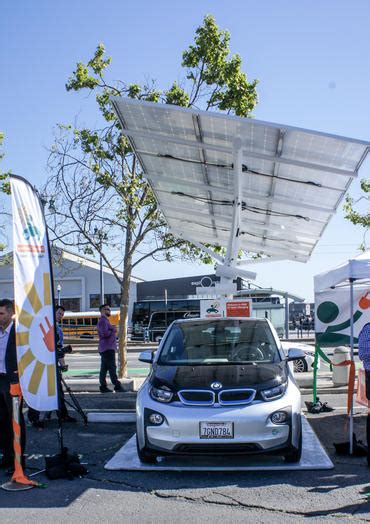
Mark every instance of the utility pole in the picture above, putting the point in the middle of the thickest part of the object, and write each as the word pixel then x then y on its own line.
pixel 59 289
pixel 98 233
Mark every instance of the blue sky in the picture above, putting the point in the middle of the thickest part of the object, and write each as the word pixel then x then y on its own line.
pixel 312 59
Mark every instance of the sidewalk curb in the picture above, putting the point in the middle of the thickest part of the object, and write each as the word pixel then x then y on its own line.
pixel 91 385
pixel 325 391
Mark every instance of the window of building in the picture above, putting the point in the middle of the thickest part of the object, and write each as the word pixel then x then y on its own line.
pixel 112 299
pixel 94 301
pixel 71 304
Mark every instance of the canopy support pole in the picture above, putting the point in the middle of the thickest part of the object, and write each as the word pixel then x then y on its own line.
pixel 352 356
pixel 286 317
pixel 231 256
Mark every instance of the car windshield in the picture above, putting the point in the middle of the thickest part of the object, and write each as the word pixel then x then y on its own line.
pixel 219 342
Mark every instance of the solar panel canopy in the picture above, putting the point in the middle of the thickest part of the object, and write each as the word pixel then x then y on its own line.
pixel 284 183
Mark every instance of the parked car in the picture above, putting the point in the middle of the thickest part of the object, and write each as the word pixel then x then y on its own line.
pixel 219 386
pixel 305 363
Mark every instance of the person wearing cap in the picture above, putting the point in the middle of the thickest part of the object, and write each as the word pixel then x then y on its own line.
pixel 107 350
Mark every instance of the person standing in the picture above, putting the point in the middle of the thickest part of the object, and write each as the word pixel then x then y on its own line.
pixel 8 376
pixel 364 355
pixel 107 349
pixel 33 414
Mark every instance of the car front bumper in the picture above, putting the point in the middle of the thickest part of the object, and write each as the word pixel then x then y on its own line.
pixel 254 432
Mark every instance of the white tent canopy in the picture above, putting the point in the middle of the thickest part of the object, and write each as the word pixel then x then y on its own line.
pixel 344 279
pixel 357 268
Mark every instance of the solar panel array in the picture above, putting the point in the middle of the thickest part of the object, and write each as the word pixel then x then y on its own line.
pixel 291 184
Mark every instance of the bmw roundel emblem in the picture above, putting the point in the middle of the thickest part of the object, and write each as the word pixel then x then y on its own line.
pixel 216 385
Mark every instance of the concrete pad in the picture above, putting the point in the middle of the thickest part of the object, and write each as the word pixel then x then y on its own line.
pixel 313 457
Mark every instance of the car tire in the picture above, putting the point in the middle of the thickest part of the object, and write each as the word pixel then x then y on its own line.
pixel 300 365
pixel 145 456
pixel 294 454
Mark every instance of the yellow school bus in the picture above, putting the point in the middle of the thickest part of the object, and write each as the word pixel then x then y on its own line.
pixel 84 324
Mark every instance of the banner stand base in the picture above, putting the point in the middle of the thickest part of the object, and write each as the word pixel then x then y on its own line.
pixel 15 486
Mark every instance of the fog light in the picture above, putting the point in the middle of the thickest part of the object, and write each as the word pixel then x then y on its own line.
pixel 279 417
pixel 156 418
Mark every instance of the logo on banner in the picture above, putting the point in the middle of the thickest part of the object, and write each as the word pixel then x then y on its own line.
pixel 30 232
pixel 211 308
pixel 333 316
pixel 36 365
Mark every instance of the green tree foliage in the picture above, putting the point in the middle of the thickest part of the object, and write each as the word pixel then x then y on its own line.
pixel 354 215
pixel 98 197
pixel 4 175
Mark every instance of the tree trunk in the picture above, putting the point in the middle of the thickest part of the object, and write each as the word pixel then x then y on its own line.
pixel 122 338
pixel 125 295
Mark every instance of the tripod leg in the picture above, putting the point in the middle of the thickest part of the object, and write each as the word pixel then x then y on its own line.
pixel 74 404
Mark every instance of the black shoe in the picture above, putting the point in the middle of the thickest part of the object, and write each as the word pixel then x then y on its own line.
pixel 6 463
pixel 68 418
pixel 39 424
pixel 118 388
pixel 105 389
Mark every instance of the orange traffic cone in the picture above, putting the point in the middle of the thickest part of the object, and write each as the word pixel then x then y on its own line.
pixel 18 476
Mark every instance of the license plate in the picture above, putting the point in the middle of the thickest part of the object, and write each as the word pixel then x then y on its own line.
pixel 216 430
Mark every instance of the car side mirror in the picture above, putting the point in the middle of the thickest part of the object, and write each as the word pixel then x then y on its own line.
pixel 295 354
pixel 146 356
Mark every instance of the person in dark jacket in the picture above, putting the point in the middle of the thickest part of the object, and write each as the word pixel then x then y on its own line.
pixel 8 376
pixel 33 414
pixel 364 355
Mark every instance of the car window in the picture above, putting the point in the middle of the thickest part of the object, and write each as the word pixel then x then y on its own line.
pixel 219 342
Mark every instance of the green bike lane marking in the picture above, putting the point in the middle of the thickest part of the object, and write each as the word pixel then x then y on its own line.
pixel 79 372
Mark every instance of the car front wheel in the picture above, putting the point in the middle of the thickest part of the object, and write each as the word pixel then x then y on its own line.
pixel 145 456
pixel 294 454
pixel 300 365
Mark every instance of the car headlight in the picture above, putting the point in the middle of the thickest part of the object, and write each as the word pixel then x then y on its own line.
pixel 161 394
pixel 274 393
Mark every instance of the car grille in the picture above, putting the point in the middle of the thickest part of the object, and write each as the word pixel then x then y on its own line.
pixel 211 449
pixel 236 396
pixel 194 397
pixel 228 397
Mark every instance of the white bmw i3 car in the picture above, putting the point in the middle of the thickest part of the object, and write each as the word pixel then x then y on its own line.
pixel 219 386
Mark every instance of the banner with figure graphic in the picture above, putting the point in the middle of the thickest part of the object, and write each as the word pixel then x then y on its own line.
pixel 333 315
pixel 33 293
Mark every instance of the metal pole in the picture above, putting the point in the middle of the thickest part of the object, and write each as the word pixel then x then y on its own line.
pixel 165 301
pixel 58 291
pixel 101 281
pixel 351 342
pixel 286 316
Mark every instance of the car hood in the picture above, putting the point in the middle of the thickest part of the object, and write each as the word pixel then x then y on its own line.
pixel 230 376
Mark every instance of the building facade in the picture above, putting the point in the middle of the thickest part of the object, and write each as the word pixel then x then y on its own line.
pixel 78 280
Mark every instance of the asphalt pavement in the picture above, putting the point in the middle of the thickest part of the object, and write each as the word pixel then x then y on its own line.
pixel 119 496
pixel 146 497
